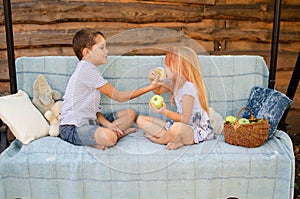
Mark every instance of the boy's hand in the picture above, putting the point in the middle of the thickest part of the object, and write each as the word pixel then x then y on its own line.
pixel 114 127
pixel 152 75
pixel 153 78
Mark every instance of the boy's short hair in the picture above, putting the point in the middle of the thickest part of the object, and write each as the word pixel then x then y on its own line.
pixel 84 38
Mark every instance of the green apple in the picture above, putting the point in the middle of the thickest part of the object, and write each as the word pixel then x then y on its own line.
pixel 157 101
pixel 243 121
pixel 231 119
pixel 161 72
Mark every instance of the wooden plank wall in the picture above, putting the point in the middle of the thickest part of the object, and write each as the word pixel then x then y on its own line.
pixel 222 27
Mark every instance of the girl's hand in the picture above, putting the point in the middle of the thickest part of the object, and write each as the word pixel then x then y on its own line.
pixel 156 110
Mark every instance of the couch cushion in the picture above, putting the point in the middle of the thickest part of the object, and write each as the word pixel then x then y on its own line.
pixel 24 120
pixel 268 103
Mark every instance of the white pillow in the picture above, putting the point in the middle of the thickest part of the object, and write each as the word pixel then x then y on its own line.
pixel 24 120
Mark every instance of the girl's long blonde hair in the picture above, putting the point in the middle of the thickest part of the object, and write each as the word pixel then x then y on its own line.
pixel 185 62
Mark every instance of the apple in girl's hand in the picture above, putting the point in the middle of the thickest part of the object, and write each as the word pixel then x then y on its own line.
pixel 157 101
pixel 161 72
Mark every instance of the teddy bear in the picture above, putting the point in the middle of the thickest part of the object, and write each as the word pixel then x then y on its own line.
pixel 48 102
pixel 216 120
pixel 44 96
pixel 52 117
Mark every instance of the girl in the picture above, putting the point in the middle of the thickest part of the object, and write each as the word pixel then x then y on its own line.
pixel 81 111
pixel 190 124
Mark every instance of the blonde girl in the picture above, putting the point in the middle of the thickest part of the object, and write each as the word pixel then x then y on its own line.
pixel 190 124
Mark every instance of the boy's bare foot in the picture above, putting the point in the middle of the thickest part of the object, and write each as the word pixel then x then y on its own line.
pixel 126 132
pixel 101 147
pixel 130 130
pixel 174 145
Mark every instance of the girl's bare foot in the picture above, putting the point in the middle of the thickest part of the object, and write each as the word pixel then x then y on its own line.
pixel 147 135
pixel 150 137
pixel 174 145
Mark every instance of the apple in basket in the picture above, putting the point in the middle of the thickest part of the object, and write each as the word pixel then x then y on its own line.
pixel 157 101
pixel 231 119
pixel 161 72
pixel 243 121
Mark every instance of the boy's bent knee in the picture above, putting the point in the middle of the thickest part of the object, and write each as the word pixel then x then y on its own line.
pixel 105 137
pixel 132 114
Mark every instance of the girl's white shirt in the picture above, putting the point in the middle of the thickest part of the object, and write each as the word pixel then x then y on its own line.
pixel 188 88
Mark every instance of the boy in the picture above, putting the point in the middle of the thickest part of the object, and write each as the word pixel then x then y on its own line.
pixel 81 120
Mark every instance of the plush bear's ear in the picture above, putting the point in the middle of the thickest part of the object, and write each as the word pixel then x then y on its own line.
pixel 43 95
pixel 42 85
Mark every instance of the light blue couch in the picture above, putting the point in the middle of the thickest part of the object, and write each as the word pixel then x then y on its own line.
pixel 137 168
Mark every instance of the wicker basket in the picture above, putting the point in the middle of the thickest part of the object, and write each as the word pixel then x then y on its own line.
pixel 248 135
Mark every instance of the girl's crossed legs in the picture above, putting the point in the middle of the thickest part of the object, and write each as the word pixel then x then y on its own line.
pixel 178 135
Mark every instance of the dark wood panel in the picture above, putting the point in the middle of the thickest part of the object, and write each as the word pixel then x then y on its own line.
pixel 179 2
pixel 257 12
pixel 296 100
pixel 42 12
pixel 247 2
pixel 248 46
pixel 3 70
pixel 43 37
pixel 4 88
pixel 292 120
pixel 285 26
pixel 282 80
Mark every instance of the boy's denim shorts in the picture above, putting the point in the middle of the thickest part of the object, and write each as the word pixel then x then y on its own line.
pixel 84 135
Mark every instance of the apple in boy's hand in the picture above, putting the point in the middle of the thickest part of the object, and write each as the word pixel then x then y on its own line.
pixel 161 72
pixel 157 101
